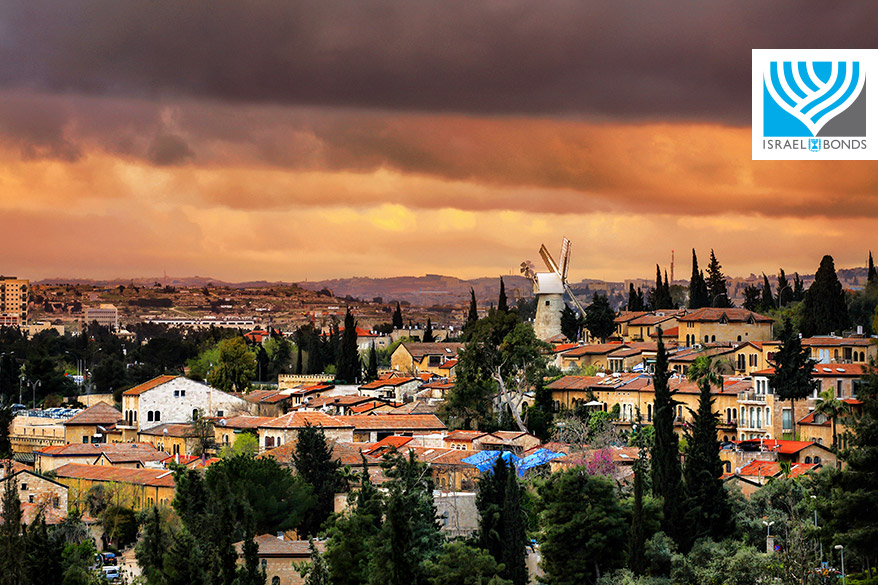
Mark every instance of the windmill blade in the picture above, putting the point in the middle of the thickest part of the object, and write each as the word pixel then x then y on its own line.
pixel 565 258
pixel 550 262
pixel 573 297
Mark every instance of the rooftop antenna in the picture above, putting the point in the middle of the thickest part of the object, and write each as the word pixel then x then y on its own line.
pixel 672 265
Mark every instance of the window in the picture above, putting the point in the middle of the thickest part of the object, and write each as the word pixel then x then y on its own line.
pixel 547 303
pixel 182 393
pixel 787 419
pixel 30 498
pixel 807 460
pixel 176 393
pixel 649 412
pixel 275 580
pixel 56 502
pixel 713 338
pixel 85 439
pixel 149 416
pixel 838 390
pixel 194 414
pixel 24 487
pixel 817 460
pixel 158 416
pixel 740 361
pixel 754 360
pixel 219 413
pixel 706 338
pixel 739 338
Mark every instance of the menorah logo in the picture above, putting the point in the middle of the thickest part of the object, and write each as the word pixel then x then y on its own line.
pixel 802 97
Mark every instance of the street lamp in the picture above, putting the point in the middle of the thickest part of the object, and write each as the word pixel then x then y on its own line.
pixel 768 525
pixel 79 364
pixel 33 386
pixel 843 574
pixel 715 297
pixel 815 527
pixel 768 542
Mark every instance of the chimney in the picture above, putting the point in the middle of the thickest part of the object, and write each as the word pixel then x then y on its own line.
pixel 859 329
pixel 280 535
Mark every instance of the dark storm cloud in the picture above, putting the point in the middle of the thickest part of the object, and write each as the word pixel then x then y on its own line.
pixel 168 149
pixel 640 60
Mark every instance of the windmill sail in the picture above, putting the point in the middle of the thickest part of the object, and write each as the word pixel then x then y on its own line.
pixel 565 258
pixel 550 262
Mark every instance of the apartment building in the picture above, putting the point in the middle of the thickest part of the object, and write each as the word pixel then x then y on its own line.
pixel 13 301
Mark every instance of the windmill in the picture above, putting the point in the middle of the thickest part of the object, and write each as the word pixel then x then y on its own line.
pixel 549 289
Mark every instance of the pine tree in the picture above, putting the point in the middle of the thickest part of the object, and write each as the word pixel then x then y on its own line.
pixel 184 562
pixel 428 332
pixel 667 480
pixel 708 506
pixel 752 298
pixel 658 293
pixel 348 365
pixel 872 274
pixel 43 557
pixel 599 317
pixel 501 520
pixel 571 324
pixel 372 368
pixel 312 459
pixel 502 306
pixel 784 290
pixel 767 302
pixel 397 317
pixel 792 379
pixel 249 573
pixel 717 290
pixel 151 549
pixel 697 286
pixel 825 309
pixel 635 298
pixel 12 553
pixel 317 571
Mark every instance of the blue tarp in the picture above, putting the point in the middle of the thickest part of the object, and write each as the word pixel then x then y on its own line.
pixel 484 460
pixel 537 458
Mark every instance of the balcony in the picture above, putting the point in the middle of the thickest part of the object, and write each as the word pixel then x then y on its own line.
pixel 751 397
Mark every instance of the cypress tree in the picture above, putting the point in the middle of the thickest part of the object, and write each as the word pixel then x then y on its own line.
pixel 298 359
pixel 348 365
pixel 315 364
pixel 428 332
pixel 717 290
pixel 637 537
pixel 635 298
pixel 792 379
pixel 372 369
pixel 570 324
pixel 825 309
pixel 397 317
pixel 667 480
pixel 752 298
pixel 872 274
pixel 697 286
pixel 708 503
pixel 798 288
pixel 502 306
pixel 473 314
pixel 12 553
pixel 658 298
pixel 666 293
pixel 767 302
pixel 501 521
pixel 313 461
pixel 784 290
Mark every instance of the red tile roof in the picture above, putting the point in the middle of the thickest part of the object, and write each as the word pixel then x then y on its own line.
pixel 149 477
pixel 116 452
pixel 464 436
pixel 242 421
pixel 273 547
pixel 820 341
pixel 419 350
pixel 772 469
pixel 712 315
pixel 298 420
pixel 672 332
pixel 158 381
pixel 174 430
pixel 448 364
pixel 827 370
pixel 780 446
pixel 391 382
pixel 562 347
pixel 395 422
pixel 593 349
pixel 97 414
pixel 586 382
pixel 367 406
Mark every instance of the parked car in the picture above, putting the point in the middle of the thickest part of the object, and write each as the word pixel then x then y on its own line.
pixel 107 558
pixel 110 573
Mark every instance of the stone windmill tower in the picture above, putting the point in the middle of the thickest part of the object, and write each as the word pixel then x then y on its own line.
pixel 549 289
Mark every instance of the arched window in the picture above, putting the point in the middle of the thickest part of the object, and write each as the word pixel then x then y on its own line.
pixel 767 417
pixel 713 338
pixel 807 460
pixel 269 442
pixel 758 418
pixel 706 338
pixel 649 412
pixel 835 355
pixel 739 338
pixel 149 416
pixel 275 580
pixel 158 416
pixel 817 460
pixel 752 417
pixel 194 414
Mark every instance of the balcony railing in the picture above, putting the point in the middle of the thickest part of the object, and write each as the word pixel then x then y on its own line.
pixel 751 397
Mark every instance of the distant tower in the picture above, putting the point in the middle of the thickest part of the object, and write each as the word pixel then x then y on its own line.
pixel 549 289
pixel 672 266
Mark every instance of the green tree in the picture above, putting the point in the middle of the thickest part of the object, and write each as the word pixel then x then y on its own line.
pixel 409 535
pixel 792 379
pixel 150 551
pixel 12 552
pixel 584 527
pixel 871 274
pixel 635 298
pixel 716 284
pixel 667 481
pixel 472 315
pixel 698 295
pixel 637 536
pixel 708 505
pixel 798 288
pixel 312 459
pixel 77 560
pixel 350 537
pixel 502 305
pixel 767 301
pixel 6 418
pixel 502 530
pixel 42 562
pixel 571 323
pixel 236 368
pixel 120 525
pixel 249 572
pixel 600 318
pixel 184 563
pixel 372 366
pixel 832 408
pixel 397 317
pixel 752 298
pixel 428 332
pixel 317 571
pixel 461 564
pixel 784 289
pixel 348 365
pixel 245 444
pixel 203 431
pixel 825 309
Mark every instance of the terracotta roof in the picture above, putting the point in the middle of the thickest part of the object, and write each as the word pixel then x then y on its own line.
pixel 628 316
pixel 401 422
pixel 298 420
pixel 586 382
pixel 510 435
pixel 158 381
pixel 314 388
pixel 193 461
pixel 781 446
pixel 144 476
pixel 391 382
pixel 593 349
pixel 416 407
pixel 345 453
pixel 809 419
pixel 346 400
pixel 772 469
pixel 820 341
pixel 652 319
pixel 826 370
pixel 115 452
pixel 711 315
pixel 273 547
pixel 367 406
pixel 263 396
pixel 672 332
pixel 694 354
pixel 419 350
pixel 97 414
pixel 562 347
pixel 448 364
pixel 387 443
pixel 174 430
pixel 242 421
pixel 466 436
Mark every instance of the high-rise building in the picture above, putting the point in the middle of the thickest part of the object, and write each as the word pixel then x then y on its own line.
pixel 13 300
pixel 106 315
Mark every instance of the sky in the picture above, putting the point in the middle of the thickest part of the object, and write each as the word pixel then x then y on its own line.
pixel 292 140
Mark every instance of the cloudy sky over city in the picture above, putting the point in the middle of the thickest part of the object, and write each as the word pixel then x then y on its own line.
pixel 281 140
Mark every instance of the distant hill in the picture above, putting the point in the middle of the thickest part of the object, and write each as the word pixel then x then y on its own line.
pixel 176 281
pixel 427 290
